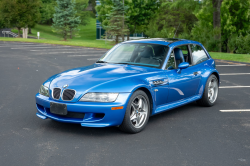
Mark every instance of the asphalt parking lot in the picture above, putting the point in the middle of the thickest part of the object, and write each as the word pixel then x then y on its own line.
pixel 186 136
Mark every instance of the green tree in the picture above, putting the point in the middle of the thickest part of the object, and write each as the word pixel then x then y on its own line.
pixel 93 6
pixel 217 17
pixel 20 13
pixel 80 6
pixel 172 18
pixel 1 24
pixel 204 30
pixel 139 14
pixel 47 10
pixel 235 20
pixel 116 25
pixel 65 19
pixel 104 10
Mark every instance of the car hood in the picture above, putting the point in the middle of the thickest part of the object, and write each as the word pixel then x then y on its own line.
pixel 85 78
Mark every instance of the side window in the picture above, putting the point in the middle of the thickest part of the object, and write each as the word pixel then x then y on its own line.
pixel 186 54
pixel 184 50
pixel 171 62
pixel 198 54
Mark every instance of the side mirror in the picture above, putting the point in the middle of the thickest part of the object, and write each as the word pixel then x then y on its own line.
pixel 182 65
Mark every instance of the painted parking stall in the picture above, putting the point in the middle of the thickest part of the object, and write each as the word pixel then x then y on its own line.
pixel 238 81
pixel 54 51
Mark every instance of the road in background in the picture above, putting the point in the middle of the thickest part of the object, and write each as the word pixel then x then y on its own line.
pixel 185 136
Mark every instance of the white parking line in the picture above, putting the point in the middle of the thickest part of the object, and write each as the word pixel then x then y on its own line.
pixel 19 45
pixel 231 74
pixel 37 46
pixel 30 47
pixel 58 49
pixel 233 65
pixel 81 55
pixel 93 59
pixel 75 52
pixel 243 110
pixel 234 86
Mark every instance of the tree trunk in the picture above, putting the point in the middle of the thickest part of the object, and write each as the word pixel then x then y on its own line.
pixel 19 32
pixel 116 39
pixel 71 33
pixel 217 18
pixel 128 36
pixel 228 50
pixel 134 29
pixel 65 35
pixel 30 31
pixel 93 6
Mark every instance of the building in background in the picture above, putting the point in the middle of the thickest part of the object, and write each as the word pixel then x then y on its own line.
pixel 99 30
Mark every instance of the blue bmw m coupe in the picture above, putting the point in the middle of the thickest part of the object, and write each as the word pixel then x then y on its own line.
pixel 131 82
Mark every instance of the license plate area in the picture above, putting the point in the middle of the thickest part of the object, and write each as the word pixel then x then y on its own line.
pixel 59 109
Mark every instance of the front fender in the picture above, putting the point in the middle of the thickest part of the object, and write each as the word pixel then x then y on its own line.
pixel 204 79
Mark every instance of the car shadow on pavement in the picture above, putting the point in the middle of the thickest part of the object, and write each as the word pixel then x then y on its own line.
pixel 174 113
pixel 77 129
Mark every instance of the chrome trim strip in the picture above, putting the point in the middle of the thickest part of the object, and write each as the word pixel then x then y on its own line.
pixel 72 97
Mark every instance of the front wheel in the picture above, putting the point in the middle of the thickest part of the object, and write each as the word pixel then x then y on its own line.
pixel 137 113
pixel 210 93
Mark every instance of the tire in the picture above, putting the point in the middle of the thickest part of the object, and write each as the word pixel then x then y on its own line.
pixel 210 93
pixel 137 113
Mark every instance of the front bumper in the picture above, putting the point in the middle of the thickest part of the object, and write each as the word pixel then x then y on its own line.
pixel 90 109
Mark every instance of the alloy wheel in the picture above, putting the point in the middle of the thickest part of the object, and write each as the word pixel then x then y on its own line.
pixel 212 90
pixel 139 111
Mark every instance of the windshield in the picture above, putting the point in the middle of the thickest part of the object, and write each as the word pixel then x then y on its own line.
pixel 151 55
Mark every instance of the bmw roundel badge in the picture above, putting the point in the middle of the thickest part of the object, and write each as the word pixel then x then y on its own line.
pixel 65 86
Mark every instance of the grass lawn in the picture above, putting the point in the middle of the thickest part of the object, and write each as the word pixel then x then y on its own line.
pixel 231 57
pixel 87 38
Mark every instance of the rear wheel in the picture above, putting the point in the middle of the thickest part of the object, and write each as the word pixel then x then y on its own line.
pixel 210 93
pixel 137 113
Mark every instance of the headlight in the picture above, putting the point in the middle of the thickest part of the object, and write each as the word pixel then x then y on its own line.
pixel 44 90
pixel 100 97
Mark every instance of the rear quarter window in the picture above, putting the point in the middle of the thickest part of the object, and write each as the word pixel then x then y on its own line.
pixel 198 54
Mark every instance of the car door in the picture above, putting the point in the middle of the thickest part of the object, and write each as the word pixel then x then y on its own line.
pixel 159 82
pixel 160 85
pixel 182 84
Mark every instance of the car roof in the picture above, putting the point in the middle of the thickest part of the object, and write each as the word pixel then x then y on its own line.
pixel 164 41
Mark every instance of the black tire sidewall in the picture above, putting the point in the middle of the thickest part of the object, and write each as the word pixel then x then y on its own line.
pixel 126 125
pixel 205 95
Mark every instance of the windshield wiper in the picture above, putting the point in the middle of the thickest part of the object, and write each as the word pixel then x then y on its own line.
pixel 101 62
pixel 123 63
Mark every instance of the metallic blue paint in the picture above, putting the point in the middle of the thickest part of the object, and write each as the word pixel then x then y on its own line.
pixel 183 65
pixel 175 88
